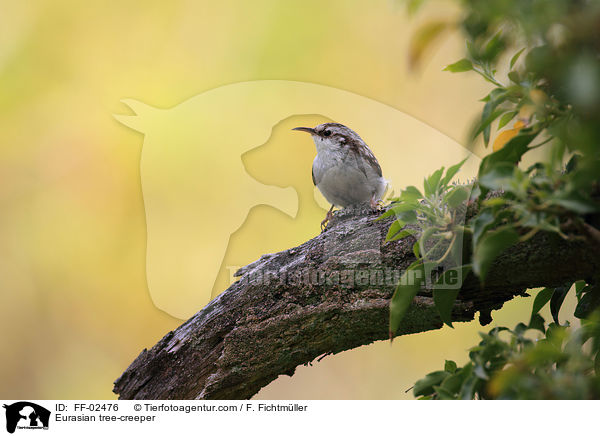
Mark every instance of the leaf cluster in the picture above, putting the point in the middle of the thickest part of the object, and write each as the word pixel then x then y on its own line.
pixel 548 88
pixel 554 194
pixel 531 361
pixel 435 217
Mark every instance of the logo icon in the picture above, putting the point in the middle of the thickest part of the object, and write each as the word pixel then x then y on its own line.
pixel 26 415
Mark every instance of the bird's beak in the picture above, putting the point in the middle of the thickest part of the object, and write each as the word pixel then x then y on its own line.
pixel 305 129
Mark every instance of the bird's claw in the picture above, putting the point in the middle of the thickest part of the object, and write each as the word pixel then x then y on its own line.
pixel 376 205
pixel 328 217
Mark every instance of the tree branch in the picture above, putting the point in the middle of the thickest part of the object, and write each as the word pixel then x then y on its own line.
pixel 325 296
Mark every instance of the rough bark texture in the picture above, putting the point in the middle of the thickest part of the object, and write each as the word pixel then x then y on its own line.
pixel 325 296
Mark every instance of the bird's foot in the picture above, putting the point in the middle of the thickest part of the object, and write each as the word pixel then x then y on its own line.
pixel 328 217
pixel 376 204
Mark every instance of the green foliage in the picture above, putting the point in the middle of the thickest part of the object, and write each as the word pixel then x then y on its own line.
pixel 543 92
pixel 548 196
pixel 528 362
pixel 444 297
pixel 550 91
pixel 460 66
pixel 437 218
pixel 553 83
pixel 489 246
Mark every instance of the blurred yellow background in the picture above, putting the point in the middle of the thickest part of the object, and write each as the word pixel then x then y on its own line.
pixel 76 308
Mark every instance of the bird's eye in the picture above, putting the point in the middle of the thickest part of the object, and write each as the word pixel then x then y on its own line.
pixel 326 132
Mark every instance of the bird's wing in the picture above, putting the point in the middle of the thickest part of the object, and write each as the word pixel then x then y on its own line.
pixel 373 162
pixel 313 176
pixel 359 163
pixel 369 157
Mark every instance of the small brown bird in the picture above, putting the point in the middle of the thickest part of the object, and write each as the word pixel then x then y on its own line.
pixel 345 169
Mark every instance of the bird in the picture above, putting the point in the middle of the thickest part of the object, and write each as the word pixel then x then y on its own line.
pixel 345 169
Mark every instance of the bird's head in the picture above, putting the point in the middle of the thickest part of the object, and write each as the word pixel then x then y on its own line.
pixel 332 136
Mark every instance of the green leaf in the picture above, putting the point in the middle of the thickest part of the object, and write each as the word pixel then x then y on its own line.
pixel 556 335
pixel 426 384
pixel 388 213
pixel 394 229
pixel 520 329
pixel 402 234
pixel 454 382
pixel 489 113
pixel 588 303
pixel 572 164
pixel 410 283
pixel 541 299
pixel 499 176
pixel 460 66
pixel 537 322
pixel 451 172
pixel 444 301
pixel 443 394
pixel 416 250
pixel 397 210
pixel 446 290
pixel 496 94
pixel 431 183
pixel 511 152
pixel 450 366
pixel 505 119
pixel 514 77
pixel 487 117
pixel 557 300
pixel 409 216
pixel 403 207
pixel 411 193
pixel 481 223
pixel 456 196
pixel 490 245
pixel 515 58
pixel 471 384
pixel 494 47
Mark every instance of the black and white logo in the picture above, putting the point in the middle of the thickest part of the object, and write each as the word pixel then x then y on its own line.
pixel 26 415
